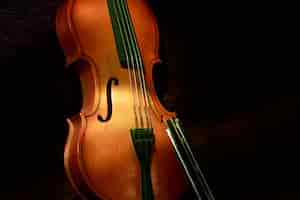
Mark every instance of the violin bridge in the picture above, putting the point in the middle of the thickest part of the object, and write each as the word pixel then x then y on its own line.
pixel 143 140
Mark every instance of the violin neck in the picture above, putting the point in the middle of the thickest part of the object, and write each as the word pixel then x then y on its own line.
pixel 188 161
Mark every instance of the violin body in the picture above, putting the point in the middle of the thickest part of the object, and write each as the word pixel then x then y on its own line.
pixel 100 158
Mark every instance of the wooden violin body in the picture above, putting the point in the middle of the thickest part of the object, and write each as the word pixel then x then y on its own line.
pixel 100 158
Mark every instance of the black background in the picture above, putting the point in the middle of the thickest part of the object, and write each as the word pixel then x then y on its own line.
pixel 232 80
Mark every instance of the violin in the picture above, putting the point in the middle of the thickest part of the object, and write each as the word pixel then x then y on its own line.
pixel 118 146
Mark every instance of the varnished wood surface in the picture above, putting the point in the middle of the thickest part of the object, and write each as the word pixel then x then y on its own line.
pixel 244 126
pixel 106 163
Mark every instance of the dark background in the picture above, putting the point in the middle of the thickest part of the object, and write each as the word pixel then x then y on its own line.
pixel 231 78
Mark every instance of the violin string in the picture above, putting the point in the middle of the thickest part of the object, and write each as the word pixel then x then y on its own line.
pixel 138 65
pixel 133 63
pixel 140 69
pixel 133 92
pixel 146 97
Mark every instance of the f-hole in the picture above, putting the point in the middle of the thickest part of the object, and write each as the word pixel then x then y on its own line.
pixel 109 102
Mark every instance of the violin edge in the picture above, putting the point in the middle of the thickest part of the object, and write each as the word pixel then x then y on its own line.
pixel 73 165
pixel 65 32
